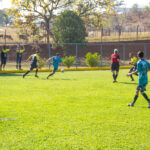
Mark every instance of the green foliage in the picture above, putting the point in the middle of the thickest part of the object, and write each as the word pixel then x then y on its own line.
pixel 69 28
pixel 92 60
pixel 41 63
pixel 4 18
pixel 69 61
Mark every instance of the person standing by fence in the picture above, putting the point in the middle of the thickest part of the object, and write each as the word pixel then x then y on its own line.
pixel 4 57
pixel 115 64
pixel 19 52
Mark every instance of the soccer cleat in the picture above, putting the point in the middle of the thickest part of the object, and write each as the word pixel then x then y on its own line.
pixel 149 105
pixel 131 105
pixel 132 79
pixel 23 76
pixel 114 81
pixel 36 76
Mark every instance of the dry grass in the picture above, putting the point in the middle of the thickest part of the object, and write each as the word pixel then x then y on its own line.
pixel 95 37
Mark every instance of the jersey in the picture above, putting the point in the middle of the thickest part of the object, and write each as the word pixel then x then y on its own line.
pixel 19 53
pixel 134 60
pixel 114 58
pixel 4 53
pixel 143 66
pixel 56 61
pixel 34 59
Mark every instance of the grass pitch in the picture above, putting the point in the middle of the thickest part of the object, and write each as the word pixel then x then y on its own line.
pixel 72 111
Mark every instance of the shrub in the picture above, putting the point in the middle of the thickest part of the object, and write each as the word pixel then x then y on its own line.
pixel 69 61
pixel 92 60
pixel 41 63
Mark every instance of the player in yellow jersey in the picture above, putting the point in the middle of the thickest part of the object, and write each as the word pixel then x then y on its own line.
pixel 4 57
pixel 19 52
pixel 133 62
pixel 34 60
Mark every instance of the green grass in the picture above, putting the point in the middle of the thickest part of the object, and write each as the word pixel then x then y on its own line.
pixel 72 111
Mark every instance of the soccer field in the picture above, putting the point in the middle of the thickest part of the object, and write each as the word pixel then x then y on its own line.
pixel 81 110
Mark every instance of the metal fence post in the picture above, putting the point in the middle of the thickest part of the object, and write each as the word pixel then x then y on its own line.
pixel 76 55
pixel 145 50
pixel 49 45
pixel 124 52
pixel 101 53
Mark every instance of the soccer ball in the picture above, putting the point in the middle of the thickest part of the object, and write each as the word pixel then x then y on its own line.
pixel 62 70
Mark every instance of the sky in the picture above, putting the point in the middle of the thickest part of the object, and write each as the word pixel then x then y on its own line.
pixel 128 3
pixel 141 3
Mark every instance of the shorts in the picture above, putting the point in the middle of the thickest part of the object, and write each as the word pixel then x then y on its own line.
pixel 19 60
pixel 3 61
pixel 115 67
pixel 141 88
pixel 133 68
pixel 33 66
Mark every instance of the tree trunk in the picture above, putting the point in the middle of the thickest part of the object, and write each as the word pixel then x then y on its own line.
pixel 47 29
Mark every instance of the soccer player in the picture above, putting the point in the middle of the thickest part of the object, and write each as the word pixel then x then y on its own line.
pixel 115 64
pixel 19 57
pixel 142 67
pixel 56 60
pixel 134 63
pixel 4 57
pixel 34 60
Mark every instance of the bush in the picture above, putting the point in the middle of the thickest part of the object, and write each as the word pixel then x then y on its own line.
pixel 41 63
pixel 92 60
pixel 69 61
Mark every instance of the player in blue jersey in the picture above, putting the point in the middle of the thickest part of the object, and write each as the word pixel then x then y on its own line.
pixel 142 67
pixel 34 60
pixel 56 60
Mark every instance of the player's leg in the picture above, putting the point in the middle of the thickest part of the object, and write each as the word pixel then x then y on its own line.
pixel 19 65
pixel 135 97
pixel 53 72
pixel 114 76
pixel 131 70
pixel 117 71
pixel 4 64
pixel 145 95
pixel 28 71
pixel 36 71
pixel 113 71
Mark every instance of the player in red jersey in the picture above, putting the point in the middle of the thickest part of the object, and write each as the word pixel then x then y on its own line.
pixel 115 64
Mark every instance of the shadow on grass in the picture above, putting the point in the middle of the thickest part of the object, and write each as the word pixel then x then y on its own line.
pixel 57 79
pixel 10 74
pixel 126 83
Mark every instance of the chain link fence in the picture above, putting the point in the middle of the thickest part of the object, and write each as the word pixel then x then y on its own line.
pixel 79 50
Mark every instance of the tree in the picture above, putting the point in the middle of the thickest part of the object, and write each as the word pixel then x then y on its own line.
pixel 4 18
pixel 94 12
pixel 69 28
pixel 38 11
pixel 46 10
